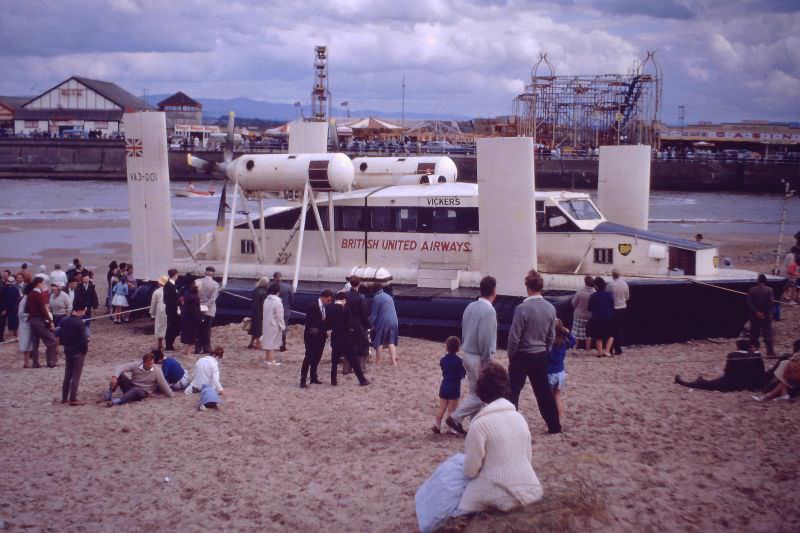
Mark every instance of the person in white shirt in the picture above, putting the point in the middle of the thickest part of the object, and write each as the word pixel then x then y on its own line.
pixel 58 276
pixel 206 372
pixel 622 295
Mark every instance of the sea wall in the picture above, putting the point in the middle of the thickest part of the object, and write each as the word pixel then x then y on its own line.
pixel 679 175
pixel 83 159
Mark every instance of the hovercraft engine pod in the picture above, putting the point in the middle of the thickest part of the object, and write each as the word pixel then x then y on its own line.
pixel 291 172
pixel 382 171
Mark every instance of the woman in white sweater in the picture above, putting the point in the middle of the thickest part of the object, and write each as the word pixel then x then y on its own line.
pixel 498 450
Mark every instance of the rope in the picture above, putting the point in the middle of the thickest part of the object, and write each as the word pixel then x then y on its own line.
pixel 236 295
pixel 95 318
pixel 685 278
pixel 640 360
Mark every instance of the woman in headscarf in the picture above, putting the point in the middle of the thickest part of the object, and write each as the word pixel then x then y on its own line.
pixel 256 323
pixel 385 326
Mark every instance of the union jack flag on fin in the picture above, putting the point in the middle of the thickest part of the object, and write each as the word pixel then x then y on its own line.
pixel 133 148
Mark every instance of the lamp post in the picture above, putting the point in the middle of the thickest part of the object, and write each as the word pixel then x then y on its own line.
pixel 346 105
pixel 298 109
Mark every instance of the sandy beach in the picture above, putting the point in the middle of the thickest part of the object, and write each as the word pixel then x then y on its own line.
pixel 638 453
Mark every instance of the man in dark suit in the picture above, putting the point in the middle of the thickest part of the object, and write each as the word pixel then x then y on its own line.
pixel 171 303
pixel 360 310
pixel 760 300
pixel 341 322
pixel 86 297
pixel 314 336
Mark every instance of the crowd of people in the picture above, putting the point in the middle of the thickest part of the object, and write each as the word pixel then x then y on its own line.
pixel 599 314
pixel 54 307
pixel 32 306
pixel 495 471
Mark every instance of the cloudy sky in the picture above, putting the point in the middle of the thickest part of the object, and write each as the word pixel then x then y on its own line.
pixel 724 60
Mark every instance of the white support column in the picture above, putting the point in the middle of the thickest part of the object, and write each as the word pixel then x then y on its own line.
pixel 230 236
pixel 149 208
pixel 623 184
pixel 261 224
pixel 507 213
pixel 332 228
pixel 303 214
pixel 322 235
pixel 184 241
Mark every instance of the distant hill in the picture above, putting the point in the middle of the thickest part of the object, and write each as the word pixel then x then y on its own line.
pixel 249 108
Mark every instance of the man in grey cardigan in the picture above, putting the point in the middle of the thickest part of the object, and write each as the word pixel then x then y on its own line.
pixel 530 338
pixel 207 291
pixel 479 333
pixel 146 378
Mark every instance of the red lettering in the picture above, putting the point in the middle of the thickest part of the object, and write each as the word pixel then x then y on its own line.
pixel 467 247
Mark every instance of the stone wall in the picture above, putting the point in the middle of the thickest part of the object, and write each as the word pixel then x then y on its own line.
pixel 71 159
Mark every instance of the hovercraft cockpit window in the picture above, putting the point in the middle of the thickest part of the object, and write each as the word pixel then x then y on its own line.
pixel 580 209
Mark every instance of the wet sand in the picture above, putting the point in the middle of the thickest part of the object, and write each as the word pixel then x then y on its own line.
pixel 654 456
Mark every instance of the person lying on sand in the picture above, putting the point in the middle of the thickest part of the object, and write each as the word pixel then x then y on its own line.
pixel 786 384
pixel 145 379
pixel 744 370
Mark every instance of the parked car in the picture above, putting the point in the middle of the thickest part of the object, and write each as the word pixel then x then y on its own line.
pixel 74 133
pixel 436 147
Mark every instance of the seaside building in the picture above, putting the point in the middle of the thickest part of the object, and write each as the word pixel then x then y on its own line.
pixel 181 109
pixel 768 139
pixel 8 109
pixel 75 107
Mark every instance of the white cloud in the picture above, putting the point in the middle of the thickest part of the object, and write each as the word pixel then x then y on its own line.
pixel 124 6
pixel 459 56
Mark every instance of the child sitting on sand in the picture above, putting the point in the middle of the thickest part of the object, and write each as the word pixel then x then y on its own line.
pixel 452 374
pixel 556 374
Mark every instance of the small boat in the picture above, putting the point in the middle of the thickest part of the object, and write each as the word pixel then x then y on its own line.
pixel 191 192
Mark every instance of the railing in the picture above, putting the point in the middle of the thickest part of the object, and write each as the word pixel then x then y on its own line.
pixel 790 158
